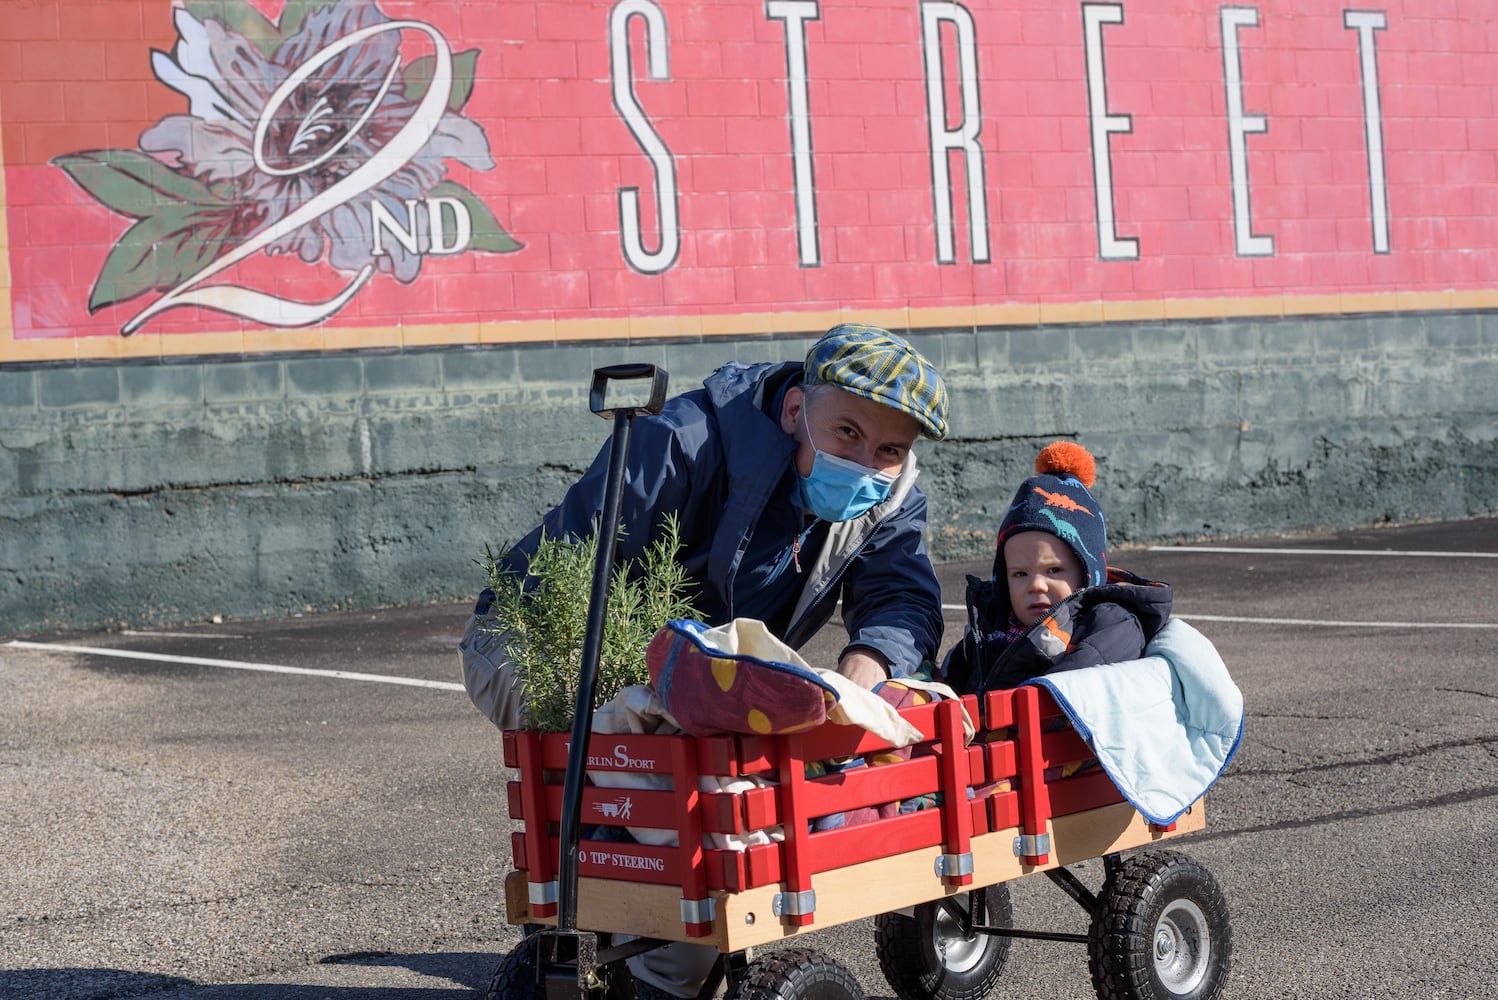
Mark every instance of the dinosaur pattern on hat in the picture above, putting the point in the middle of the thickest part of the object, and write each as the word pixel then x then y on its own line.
pixel 1063 501
pixel 1068 533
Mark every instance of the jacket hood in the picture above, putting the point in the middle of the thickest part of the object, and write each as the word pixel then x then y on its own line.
pixel 987 657
pixel 753 442
pixel 1149 600
pixel 739 394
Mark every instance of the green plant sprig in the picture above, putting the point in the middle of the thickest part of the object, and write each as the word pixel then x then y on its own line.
pixel 543 615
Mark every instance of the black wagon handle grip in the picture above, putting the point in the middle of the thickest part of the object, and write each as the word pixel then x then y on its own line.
pixel 607 400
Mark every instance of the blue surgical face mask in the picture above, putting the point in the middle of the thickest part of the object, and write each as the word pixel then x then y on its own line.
pixel 838 489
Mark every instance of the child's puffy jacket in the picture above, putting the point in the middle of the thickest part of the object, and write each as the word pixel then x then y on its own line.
pixel 1108 623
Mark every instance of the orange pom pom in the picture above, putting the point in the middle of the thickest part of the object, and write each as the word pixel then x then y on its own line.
pixel 1067 458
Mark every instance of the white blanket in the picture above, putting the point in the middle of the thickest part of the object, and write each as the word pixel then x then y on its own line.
pixel 1164 727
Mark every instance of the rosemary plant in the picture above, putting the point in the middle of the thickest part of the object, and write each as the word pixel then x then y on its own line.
pixel 543 614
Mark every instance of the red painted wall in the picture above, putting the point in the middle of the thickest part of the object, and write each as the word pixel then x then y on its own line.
pixel 1089 161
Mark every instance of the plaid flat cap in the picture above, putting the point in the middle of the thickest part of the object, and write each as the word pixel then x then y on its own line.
pixel 877 365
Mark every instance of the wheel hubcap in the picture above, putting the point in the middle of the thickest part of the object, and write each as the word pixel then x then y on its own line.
pixel 1182 946
pixel 960 952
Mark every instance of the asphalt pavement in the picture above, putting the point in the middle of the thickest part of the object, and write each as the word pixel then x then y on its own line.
pixel 310 808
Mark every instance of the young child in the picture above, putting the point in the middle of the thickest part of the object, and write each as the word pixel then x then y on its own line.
pixel 1053 603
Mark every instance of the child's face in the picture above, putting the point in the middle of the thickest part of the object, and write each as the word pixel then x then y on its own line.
pixel 1042 571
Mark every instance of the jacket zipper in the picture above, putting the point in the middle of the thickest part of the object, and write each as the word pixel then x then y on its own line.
pixel 837 575
pixel 796 546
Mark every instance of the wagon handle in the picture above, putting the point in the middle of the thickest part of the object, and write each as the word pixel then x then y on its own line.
pixel 609 399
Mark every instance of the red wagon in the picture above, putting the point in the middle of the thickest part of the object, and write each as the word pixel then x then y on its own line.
pixel 1025 796
pixel 957 820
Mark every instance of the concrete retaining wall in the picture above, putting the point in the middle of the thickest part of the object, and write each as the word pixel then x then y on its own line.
pixel 153 492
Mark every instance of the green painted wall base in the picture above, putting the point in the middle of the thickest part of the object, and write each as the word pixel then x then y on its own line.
pixel 157 493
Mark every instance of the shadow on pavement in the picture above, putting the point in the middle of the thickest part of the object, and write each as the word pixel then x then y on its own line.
pixel 82 984
pixel 454 976
pixel 470 968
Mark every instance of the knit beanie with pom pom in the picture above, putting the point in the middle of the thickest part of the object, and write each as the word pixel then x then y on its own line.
pixel 1055 500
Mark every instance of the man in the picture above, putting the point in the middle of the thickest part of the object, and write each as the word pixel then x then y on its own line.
pixel 793 485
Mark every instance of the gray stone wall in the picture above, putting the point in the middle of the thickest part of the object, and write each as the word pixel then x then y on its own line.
pixel 153 493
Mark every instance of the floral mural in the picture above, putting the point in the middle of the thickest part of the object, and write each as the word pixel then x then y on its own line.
pixel 314 135
pixel 233 175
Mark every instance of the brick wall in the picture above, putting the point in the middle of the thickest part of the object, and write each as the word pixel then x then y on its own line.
pixel 1244 253
pixel 667 168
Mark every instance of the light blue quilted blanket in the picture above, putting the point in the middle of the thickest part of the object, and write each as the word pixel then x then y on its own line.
pixel 1165 726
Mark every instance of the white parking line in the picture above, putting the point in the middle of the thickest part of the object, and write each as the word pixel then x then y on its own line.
pixel 202 661
pixel 182 635
pixel 1336 624
pixel 1212 549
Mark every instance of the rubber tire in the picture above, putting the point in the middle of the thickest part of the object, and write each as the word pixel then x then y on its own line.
pixel 795 974
pixel 1165 897
pixel 515 979
pixel 912 950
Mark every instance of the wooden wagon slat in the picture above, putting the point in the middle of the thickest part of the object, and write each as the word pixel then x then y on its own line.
pixel 745 919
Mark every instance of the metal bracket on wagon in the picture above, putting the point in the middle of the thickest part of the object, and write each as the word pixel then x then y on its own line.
pixel 1032 846
pixel 954 865
pixel 698 911
pixel 569 964
pixel 794 904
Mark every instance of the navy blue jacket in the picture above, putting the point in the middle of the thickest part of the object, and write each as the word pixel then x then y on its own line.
pixel 714 456
pixel 1109 623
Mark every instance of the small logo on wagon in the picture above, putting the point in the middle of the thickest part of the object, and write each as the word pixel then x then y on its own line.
pixel 617 809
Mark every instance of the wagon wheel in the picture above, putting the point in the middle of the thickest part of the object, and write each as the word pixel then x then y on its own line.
pixel 928 957
pixel 1160 931
pixel 795 974
pixel 515 979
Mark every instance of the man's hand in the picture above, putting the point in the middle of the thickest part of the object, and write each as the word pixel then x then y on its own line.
pixel 864 667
